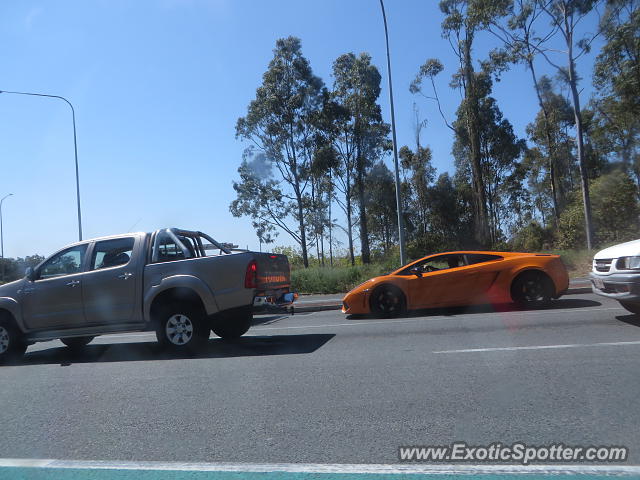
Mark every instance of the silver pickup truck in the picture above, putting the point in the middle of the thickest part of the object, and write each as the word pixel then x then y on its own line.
pixel 181 284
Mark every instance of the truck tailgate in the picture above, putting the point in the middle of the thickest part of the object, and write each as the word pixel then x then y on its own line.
pixel 274 274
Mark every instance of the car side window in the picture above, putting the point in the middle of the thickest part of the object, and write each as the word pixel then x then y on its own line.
pixel 437 263
pixel 67 262
pixel 112 253
pixel 474 258
pixel 441 262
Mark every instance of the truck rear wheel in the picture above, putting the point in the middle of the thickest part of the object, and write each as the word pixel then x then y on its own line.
pixel 12 347
pixel 182 328
pixel 234 323
pixel 76 343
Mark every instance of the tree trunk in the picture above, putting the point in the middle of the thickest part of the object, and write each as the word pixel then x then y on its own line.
pixel 364 233
pixel 584 177
pixel 349 222
pixel 550 142
pixel 350 232
pixel 471 114
pixel 330 225
pixel 303 235
pixel 296 189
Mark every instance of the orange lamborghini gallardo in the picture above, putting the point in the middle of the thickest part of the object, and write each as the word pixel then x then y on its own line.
pixel 461 278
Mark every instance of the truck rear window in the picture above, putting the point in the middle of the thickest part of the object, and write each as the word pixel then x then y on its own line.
pixel 169 251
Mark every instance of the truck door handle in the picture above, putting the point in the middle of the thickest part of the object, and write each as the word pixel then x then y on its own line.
pixel 125 275
pixel 73 283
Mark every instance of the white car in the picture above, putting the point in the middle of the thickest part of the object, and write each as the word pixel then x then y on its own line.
pixel 616 274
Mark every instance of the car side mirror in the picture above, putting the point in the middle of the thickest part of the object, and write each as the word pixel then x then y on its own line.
pixel 29 274
pixel 416 271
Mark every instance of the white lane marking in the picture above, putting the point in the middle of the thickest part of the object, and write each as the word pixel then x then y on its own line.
pixel 539 347
pixel 355 323
pixel 316 468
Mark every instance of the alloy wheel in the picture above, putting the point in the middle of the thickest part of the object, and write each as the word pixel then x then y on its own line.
pixel 4 340
pixel 179 329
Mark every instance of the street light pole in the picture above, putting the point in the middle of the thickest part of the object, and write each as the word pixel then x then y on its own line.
pixel 75 147
pixel 2 235
pixel 395 144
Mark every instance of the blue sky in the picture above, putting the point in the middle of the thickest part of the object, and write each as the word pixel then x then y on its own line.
pixel 158 87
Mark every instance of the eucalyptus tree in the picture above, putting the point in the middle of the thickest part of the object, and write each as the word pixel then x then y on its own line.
pixel 360 137
pixel 522 43
pixel 382 207
pixel 421 174
pixel 566 16
pixel 500 152
pixel 279 124
pixel 617 79
pixel 617 67
pixel 464 19
pixel 554 144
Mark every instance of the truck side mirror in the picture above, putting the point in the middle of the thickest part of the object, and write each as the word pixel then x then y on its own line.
pixel 29 274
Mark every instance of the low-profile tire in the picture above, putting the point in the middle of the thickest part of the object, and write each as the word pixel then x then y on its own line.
pixel 12 345
pixel 182 327
pixel 532 289
pixel 77 343
pixel 631 307
pixel 234 323
pixel 387 301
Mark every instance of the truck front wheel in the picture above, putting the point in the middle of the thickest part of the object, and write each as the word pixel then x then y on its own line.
pixel 12 346
pixel 182 327
pixel 233 323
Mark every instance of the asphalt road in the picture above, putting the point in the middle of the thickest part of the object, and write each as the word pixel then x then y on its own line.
pixel 321 388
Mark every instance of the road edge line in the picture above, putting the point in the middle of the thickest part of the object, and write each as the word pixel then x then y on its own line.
pixel 312 468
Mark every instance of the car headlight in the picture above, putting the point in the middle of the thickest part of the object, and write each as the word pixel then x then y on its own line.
pixel 629 263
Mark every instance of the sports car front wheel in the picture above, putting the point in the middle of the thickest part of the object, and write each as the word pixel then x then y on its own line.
pixel 387 301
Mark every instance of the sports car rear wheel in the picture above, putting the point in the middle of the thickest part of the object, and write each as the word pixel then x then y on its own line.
pixel 532 288
pixel 387 301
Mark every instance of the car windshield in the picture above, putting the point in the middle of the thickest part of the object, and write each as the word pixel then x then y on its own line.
pixel 329 239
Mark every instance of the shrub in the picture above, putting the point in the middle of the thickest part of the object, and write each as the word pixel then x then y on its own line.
pixel 615 212
pixel 336 279
pixel 531 238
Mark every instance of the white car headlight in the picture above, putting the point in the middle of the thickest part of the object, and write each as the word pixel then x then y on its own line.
pixel 630 263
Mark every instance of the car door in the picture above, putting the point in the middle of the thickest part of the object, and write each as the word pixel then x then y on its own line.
pixel 433 282
pixel 109 287
pixel 53 299
pixel 448 280
pixel 483 270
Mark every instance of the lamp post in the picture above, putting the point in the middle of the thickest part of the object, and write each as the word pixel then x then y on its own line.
pixel 395 144
pixel 2 235
pixel 75 146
